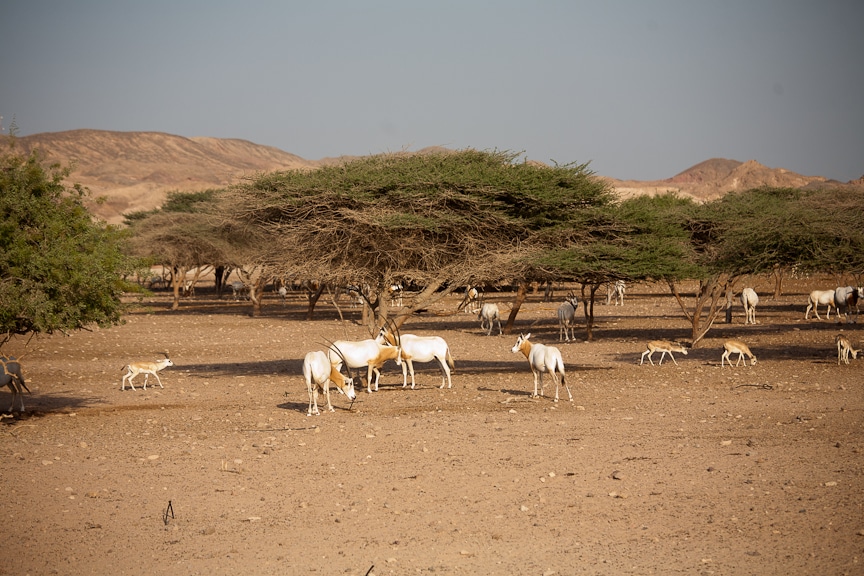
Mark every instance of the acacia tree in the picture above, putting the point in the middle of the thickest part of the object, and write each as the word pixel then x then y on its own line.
pixel 59 269
pixel 440 221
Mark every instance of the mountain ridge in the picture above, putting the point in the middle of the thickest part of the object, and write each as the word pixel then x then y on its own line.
pixel 134 171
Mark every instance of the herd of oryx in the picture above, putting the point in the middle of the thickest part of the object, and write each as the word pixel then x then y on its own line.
pixel 323 368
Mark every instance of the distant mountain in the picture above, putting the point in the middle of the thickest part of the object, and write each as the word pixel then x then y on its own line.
pixel 135 170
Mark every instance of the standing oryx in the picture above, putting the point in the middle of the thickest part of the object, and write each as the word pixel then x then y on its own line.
pixel 318 372
pixel 419 349
pixel 12 376
pixel 567 318
pixel 543 359
pixel 749 299
pixel 369 353
pixel 489 312
pixel 846 297
pixel 615 292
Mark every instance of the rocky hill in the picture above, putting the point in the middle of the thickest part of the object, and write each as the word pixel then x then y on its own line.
pixel 135 170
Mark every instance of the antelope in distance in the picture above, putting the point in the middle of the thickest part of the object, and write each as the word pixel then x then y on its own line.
pixel 489 313
pixel 616 292
pixel 12 376
pixel 737 347
pixel 542 359
pixel 663 346
pixel 318 373
pixel 567 317
pixel 749 299
pixel 146 368
pixel 844 349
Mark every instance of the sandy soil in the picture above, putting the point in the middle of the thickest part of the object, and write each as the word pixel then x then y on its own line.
pixel 687 469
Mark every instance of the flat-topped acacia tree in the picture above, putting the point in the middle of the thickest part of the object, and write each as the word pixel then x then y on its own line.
pixel 439 220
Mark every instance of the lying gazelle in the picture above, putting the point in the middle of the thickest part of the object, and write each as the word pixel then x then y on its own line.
pixel 736 347
pixel 11 376
pixel 542 359
pixel 489 312
pixel 844 349
pixel 663 346
pixel 419 349
pixel 318 372
pixel 369 353
pixel 146 368
pixel 567 317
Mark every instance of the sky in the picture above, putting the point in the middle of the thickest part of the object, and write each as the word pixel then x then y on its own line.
pixel 639 89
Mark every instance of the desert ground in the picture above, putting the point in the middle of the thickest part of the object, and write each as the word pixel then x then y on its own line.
pixel 666 469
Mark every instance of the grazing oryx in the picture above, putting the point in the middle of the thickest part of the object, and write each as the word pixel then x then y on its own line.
pixel 749 299
pixel 846 297
pixel 615 291
pixel 146 368
pixel 663 346
pixel 369 353
pixel 567 318
pixel 420 349
pixel 471 301
pixel 817 297
pixel 844 349
pixel 489 312
pixel 11 376
pixel 318 372
pixel 543 359
pixel 736 347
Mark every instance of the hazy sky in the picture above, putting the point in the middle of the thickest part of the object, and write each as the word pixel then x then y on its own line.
pixel 640 89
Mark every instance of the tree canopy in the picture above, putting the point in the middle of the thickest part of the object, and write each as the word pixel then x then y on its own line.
pixel 59 270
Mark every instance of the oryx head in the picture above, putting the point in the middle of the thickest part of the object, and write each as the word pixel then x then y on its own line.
pixel 346 387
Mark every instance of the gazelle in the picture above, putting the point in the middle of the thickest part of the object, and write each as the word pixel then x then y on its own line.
pixel 749 299
pixel 489 312
pixel 318 372
pixel 420 349
pixel 736 347
pixel 567 317
pixel 542 359
pixel 663 346
pixel 817 297
pixel 146 368
pixel 844 349
pixel 369 353
pixel 11 376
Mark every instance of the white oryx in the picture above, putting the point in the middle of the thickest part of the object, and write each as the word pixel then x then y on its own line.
pixel 318 373
pixel 663 346
pixel 543 359
pixel 489 312
pixel 420 349
pixel 567 318
pixel 844 349
pixel 749 299
pixel 240 290
pixel 11 376
pixel 615 291
pixel 360 353
pixel 736 347
pixel 146 368
pixel 846 297
pixel 817 297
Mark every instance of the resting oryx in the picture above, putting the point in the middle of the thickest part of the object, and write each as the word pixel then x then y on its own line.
pixel 369 353
pixel 749 299
pixel 420 349
pixel 817 297
pixel 489 312
pixel 846 297
pixel 663 346
pixel 146 368
pixel 318 372
pixel 543 359
pixel 567 318
pixel 11 376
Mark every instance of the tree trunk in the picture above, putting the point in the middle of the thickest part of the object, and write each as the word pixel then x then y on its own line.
pixel 521 294
pixel 588 309
pixel 313 299
pixel 177 279
pixel 709 295
pixel 778 281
